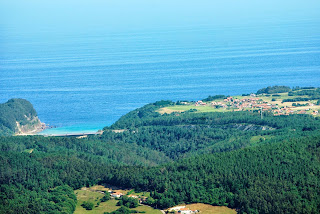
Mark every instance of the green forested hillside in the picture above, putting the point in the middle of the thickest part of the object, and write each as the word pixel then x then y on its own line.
pixel 33 168
pixel 16 110
pixel 183 134
pixel 235 159
pixel 278 177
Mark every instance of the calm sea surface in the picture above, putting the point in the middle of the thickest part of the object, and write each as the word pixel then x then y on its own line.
pixel 86 81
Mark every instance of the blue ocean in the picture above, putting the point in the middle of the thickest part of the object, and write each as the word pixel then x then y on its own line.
pixel 83 82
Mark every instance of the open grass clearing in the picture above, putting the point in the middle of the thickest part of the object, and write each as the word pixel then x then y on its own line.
pixel 209 209
pixel 206 208
pixel 92 194
pixel 183 108
pixel 147 209
pixel 28 151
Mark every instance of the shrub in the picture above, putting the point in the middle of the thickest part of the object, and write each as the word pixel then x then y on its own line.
pixel 87 205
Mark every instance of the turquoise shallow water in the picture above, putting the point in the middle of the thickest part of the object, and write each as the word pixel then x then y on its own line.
pixel 81 82
pixel 75 129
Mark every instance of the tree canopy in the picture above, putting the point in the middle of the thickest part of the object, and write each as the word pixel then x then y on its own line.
pixel 234 159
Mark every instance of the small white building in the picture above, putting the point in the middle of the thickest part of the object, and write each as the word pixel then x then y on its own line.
pixel 116 194
pixel 177 208
pixel 183 210
pixel 187 211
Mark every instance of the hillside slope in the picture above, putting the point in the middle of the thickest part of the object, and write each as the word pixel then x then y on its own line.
pixel 235 159
pixel 185 134
pixel 280 177
pixel 17 116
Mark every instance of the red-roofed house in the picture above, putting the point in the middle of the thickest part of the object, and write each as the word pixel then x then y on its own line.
pixel 117 194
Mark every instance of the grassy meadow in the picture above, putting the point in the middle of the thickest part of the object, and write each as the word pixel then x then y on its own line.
pixel 209 209
pixel 91 195
pixel 182 108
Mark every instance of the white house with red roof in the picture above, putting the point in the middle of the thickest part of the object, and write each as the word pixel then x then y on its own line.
pixel 116 194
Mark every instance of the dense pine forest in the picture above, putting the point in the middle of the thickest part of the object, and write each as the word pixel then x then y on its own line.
pixel 234 159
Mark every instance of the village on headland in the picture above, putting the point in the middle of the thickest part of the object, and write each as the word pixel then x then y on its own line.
pixel 105 199
pixel 300 101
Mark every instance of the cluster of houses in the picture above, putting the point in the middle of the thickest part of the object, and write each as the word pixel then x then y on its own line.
pixel 254 102
pixel 233 103
pixel 141 199
pixel 199 103
pixel 289 110
pixel 182 210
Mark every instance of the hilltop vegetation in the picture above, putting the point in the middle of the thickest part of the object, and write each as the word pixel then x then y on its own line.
pixel 184 134
pixel 274 89
pixel 17 115
pixel 283 157
pixel 253 164
pixel 271 178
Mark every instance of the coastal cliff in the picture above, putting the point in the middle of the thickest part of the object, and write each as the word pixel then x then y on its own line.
pixel 18 117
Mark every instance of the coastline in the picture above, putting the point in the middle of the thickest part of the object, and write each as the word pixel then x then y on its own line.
pixel 73 130
pixel 34 131
pixel 79 135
